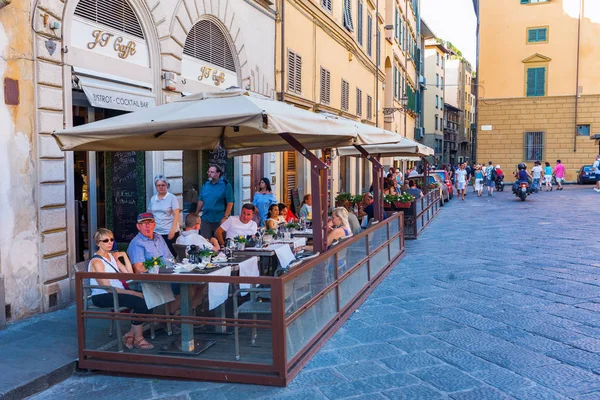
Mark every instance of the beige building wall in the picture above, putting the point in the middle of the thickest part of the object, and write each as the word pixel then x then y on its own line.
pixel 505 54
pixel 434 67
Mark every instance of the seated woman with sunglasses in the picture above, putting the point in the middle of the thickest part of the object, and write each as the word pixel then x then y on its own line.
pixel 105 261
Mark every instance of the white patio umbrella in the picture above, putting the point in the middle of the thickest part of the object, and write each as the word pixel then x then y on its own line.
pixel 231 118
pixel 403 148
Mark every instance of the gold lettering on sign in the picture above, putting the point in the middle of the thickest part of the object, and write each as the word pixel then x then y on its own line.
pixel 124 51
pixel 204 73
pixel 100 38
pixel 217 77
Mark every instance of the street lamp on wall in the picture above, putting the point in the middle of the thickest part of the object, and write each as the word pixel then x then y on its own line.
pixel 391 110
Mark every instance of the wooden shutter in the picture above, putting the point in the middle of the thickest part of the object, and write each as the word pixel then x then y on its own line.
pixel 540 82
pixel 396 22
pixel 325 86
pixel 369 35
pixel 359 24
pixel 541 34
pixel 326 4
pixel 524 1
pixel 298 85
pixel 345 95
pixel 532 37
pixel 291 71
pixel 531 82
pixel 395 82
pixel 289 175
pixel 369 107
pixel 358 102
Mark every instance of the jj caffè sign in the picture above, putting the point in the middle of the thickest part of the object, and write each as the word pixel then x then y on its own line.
pixel 201 75
pixel 107 42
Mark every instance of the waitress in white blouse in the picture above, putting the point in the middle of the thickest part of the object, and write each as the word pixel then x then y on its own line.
pixel 165 207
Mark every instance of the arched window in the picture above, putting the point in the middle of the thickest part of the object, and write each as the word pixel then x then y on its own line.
pixel 207 42
pixel 116 14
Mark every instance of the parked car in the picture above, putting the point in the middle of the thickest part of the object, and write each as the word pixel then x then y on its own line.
pixel 435 178
pixel 586 175
pixel 446 178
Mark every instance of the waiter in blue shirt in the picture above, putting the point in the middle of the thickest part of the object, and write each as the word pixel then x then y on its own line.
pixel 215 200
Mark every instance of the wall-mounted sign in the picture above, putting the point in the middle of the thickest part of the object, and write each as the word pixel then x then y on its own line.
pixel 486 127
pixel 109 42
pixel 194 70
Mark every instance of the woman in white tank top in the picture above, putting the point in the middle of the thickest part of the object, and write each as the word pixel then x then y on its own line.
pixel 106 262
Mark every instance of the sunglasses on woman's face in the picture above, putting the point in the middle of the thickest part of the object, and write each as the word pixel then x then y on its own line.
pixel 107 240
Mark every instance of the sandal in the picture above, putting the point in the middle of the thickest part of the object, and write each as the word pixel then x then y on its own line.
pixel 128 341
pixel 142 344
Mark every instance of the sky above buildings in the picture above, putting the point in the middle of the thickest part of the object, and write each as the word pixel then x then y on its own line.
pixel 454 21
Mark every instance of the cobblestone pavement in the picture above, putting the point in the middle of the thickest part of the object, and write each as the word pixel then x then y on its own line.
pixel 497 299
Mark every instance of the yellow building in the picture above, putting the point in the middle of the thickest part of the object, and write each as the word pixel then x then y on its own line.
pixel 539 93
pixel 336 56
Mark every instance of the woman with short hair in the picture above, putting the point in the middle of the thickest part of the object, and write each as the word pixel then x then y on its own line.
pixel 165 208
pixel 106 262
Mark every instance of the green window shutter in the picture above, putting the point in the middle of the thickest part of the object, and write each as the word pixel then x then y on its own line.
pixel 541 35
pixel 395 85
pixel 531 82
pixel 540 82
pixel 524 1
pixel 532 37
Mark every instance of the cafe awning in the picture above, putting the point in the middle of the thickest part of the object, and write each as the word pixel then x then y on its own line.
pixel 403 148
pixel 231 118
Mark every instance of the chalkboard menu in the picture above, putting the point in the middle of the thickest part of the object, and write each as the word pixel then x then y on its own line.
pixel 296 204
pixel 218 157
pixel 125 194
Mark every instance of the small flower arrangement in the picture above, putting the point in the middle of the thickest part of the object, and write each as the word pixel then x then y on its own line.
pixel 390 198
pixel 206 253
pixel 357 198
pixel 154 262
pixel 270 232
pixel 406 198
pixel 240 239
pixel 293 225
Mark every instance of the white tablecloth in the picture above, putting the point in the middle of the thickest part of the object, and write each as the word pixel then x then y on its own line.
pixel 284 254
pixel 218 292
pixel 297 242
pixel 249 268
pixel 157 293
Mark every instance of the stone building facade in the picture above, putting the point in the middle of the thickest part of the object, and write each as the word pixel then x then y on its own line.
pixel 74 62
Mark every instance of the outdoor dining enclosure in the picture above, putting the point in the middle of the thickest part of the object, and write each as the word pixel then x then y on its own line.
pixel 267 327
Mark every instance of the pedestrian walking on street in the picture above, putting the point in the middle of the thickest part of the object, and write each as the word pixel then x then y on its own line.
pixel 478 180
pixel 461 181
pixel 596 167
pixel 559 174
pixel 548 176
pixel 536 172
pixel 490 178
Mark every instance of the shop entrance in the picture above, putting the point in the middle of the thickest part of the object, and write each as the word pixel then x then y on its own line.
pixel 109 187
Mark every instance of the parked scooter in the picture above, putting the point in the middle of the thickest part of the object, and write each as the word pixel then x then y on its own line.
pixel 500 183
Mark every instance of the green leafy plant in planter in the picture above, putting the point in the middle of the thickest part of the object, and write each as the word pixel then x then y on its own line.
pixel 270 232
pixel 154 262
pixel 357 198
pixel 344 196
pixel 206 253
pixel 240 239
pixel 406 198
pixel 293 225
pixel 390 198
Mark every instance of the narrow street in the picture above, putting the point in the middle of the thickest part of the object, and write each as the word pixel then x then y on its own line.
pixel 497 299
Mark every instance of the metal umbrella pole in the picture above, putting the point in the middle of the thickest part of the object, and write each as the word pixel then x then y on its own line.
pixel 377 182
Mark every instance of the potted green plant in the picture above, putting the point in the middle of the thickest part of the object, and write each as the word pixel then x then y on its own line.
pixel 357 198
pixel 241 242
pixel 404 200
pixel 206 255
pixel 269 235
pixel 152 265
pixel 344 196
pixel 293 226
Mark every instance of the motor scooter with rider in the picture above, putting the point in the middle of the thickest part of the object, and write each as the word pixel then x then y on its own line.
pixel 521 187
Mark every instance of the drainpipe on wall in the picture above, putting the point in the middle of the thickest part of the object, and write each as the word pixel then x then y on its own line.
pixel 577 75
pixel 281 19
pixel 377 58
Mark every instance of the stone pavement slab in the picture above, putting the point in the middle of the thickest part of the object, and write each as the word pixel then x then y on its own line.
pixel 498 299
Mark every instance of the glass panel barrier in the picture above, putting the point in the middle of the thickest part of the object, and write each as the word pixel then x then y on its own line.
pixel 354 253
pixel 350 286
pixel 378 237
pixel 378 261
pixel 394 225
pixel 394 247
pixel 300 289
pixel 304 328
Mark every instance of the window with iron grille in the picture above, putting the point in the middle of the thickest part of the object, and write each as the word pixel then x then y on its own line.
pixel 369 35
pixel 369 107
pixel 294 72
pixel 325 86
pixel 326 4
pixel 359 24
pixel 348 15
pixel 116 14
pixel 534 146
pixel 207 42
pixel 358 102
pixel 345 95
